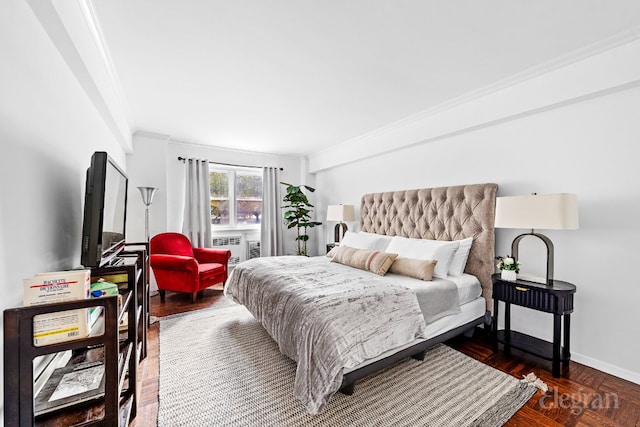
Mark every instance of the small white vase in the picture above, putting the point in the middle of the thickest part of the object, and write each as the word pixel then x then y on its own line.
pixel 508 275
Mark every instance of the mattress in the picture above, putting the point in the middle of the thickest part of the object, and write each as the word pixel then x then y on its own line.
pixel 469 287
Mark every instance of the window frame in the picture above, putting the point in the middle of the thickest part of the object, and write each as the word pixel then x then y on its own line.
pixel 232 173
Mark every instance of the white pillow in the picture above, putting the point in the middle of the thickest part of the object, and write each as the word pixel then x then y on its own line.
pixel 459 261
pixel 439 250
pixel 363 240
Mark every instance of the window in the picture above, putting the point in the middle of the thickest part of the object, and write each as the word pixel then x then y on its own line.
pixel 236 196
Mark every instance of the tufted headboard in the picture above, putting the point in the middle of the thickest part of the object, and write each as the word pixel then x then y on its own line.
pixel 444 213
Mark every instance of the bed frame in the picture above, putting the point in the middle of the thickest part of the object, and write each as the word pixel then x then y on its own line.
pixel 444 213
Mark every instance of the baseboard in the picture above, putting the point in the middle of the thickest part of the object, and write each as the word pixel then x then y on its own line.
pixel 634 377
pixel 605 367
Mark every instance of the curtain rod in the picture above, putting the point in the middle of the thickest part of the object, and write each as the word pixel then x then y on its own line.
pixel 183 159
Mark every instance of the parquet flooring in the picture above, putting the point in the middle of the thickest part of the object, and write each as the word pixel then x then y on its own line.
pixel 583 396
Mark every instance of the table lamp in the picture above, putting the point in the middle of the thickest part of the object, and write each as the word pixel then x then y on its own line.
pixel 340 213
pixel 538 211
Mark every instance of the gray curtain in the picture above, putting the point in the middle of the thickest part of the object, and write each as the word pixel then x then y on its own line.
pixel 196 224
pixel 271 243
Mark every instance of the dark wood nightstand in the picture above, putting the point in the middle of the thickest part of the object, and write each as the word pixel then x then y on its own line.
pixel 556 299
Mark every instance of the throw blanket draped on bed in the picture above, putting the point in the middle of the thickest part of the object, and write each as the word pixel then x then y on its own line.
pixel 325 316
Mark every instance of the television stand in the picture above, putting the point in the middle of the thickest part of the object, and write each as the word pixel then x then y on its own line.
pixel 120 347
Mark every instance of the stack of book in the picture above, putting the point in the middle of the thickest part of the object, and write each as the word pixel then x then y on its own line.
pixel 58 286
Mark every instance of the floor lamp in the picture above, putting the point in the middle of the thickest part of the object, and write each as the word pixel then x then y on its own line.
pixel 147 197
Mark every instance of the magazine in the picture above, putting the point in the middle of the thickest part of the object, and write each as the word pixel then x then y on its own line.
pixel 71 385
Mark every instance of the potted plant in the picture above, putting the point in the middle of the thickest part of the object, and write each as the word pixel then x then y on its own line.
pixel 298 214
pixel 508 267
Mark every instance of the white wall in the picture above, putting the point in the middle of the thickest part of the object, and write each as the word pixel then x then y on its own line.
pixel 154 162
pixel 48 130
pixel 581 138
pixel 588 146
pixel 147 168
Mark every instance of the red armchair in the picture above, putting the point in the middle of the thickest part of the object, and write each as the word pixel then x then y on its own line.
pixel 179 267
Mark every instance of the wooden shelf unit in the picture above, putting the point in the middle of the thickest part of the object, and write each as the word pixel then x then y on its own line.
pixel 141 250
pixel 136 333
pixel 19 352
pixel 120 350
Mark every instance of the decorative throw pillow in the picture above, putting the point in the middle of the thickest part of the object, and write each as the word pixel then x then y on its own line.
pixel 459 261
pixel 417 268
pixel 439 250
pixel 373 261
pixel 333 251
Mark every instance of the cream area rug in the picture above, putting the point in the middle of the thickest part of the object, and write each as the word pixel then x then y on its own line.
pixel 219 367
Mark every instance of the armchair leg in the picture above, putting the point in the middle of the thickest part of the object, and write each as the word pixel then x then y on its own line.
pixel 161 295
pixel 194 296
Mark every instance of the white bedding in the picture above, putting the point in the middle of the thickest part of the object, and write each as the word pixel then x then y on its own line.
pixel 472 306
pixel 326 316
pixel 469 287
pixel 308 306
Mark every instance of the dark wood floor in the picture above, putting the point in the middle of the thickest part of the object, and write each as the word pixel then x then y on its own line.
pixel 581 397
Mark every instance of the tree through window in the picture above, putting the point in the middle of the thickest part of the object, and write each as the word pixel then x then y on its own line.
pixel 236 196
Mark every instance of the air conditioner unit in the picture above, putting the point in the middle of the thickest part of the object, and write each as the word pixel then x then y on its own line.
pixel 254 249
pixel 226 241
pixel 233 243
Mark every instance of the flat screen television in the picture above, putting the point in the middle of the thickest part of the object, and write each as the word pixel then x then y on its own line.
pixel 105 211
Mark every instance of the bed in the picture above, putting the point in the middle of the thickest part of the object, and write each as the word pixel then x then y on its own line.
pixel 341 324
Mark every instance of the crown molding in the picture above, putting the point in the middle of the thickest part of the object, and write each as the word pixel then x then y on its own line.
pixel 171 140
pixel 88 11
pixel 153 135
pixel 54 25
pixel 319 158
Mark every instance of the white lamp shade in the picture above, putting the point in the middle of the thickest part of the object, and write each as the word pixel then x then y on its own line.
pixel 340 213
pixel 539 211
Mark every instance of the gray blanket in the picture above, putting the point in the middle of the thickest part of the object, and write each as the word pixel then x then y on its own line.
pixel 325 316
pixel 437 298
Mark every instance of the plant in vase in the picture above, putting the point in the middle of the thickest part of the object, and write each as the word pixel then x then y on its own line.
pixel 298 214
pixel 508 267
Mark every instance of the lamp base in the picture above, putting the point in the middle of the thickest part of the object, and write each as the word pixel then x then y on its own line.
pixel 547 242
pixel 341 226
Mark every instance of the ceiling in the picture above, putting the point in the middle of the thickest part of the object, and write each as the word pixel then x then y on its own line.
pixel 297 76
